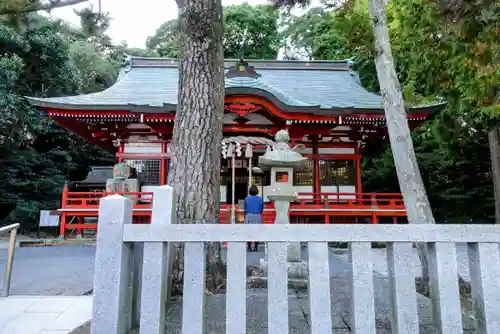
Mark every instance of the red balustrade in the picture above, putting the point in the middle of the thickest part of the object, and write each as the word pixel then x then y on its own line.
pixel 308 208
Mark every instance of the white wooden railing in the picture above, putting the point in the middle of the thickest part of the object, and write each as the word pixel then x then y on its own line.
pixel 113 279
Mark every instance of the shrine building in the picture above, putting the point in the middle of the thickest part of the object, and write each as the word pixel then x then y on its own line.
pixel 321 104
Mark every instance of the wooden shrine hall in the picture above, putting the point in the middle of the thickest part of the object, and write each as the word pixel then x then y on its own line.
pixel 321 103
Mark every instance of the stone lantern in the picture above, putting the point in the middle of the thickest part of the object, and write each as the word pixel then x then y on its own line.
pixel 281 161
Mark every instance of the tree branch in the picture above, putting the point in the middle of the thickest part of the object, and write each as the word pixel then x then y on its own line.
pixel 52 4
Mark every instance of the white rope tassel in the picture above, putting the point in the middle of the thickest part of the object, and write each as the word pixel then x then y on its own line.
pixel 238 149
pixel 224 149
pixel 230 150
pixel 249 151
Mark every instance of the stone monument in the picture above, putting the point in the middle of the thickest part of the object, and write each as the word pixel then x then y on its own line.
pixel 281 161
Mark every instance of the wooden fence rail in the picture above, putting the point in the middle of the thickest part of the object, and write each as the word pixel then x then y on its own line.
pixel 113 281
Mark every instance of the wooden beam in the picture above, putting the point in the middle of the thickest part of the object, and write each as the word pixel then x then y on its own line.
pixel 80 129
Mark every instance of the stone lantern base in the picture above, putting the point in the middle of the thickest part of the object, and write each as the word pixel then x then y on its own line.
pixel 296 270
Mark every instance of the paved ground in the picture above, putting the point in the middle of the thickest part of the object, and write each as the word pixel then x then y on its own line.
pixel 43 315
pixel 51 271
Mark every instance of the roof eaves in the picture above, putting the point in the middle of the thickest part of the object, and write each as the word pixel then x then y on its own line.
pixel 426 108
pixel 135 108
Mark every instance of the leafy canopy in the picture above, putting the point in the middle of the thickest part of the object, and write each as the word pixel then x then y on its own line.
pixel 250 32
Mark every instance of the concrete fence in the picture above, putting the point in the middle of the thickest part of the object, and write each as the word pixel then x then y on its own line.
pixel 114 287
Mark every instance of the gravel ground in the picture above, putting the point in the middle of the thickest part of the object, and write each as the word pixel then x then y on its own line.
pixel 379 260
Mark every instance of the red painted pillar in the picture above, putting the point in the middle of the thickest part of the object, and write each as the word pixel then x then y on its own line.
pixel 62 224
pixel 316 171
pixel 359 185
pixel 163 166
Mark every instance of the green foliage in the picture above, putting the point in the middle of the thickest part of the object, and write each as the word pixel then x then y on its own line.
pixel 341 34
pixel 37 156
pixel 435 60
pixel 95 72
pixel 249 31
pixel 164 41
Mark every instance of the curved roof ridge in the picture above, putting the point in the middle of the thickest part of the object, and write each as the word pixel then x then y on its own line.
pixel 332 65
pixel 261 85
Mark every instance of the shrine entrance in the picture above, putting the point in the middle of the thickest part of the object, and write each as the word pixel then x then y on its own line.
pixel 241 181
pixel 240 190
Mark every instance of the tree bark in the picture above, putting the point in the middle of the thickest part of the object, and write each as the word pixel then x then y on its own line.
pixel 494 143
pixel 196 143
pixel 410 181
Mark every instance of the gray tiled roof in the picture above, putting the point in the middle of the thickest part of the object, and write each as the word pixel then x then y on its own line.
pixel 150 84
pixel 97 175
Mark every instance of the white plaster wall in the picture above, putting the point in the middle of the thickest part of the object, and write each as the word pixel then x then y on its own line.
pixel 329 189
pixel 223 194
pixel 347 189
pixel 142 148
pixel 336 150
pixel 304 189
pixel 329 150
pixel 324 189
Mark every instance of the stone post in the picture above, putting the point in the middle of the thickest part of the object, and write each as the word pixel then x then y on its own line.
pixel 111 312
pixel 157 265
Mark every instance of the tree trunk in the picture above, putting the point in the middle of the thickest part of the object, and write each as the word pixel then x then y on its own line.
pixel 410 181
pixel 196 143
pixel 493 139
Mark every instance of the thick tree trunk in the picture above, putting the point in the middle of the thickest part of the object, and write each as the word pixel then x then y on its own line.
pixel 410 181
pixel 494 143
pixel 195 149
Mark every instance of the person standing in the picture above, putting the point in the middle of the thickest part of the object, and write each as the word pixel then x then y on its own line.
pixel 254 206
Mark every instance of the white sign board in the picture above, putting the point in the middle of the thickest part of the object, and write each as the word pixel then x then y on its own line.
pixel 48 220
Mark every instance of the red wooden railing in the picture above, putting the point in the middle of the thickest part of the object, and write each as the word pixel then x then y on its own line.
pixel 358 200
pixel 309 207
pixel 82 200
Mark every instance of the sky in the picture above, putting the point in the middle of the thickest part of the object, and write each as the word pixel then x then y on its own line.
pixel 134 20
